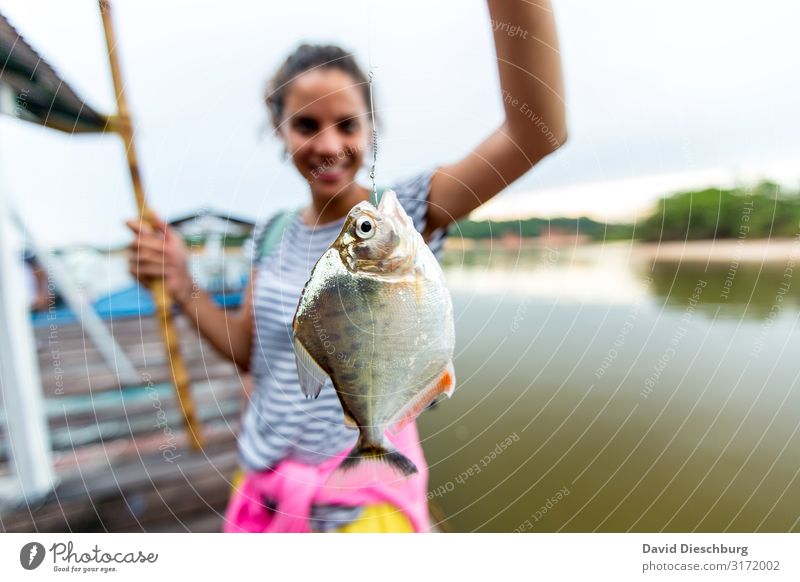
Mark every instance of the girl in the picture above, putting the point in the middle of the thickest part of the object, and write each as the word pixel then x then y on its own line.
pixel 320 108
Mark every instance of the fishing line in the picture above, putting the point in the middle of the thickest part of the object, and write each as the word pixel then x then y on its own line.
pixel 374 159
pixel 372 105
pixel 374 139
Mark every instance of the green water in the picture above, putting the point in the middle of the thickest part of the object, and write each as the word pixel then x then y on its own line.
pixel 598 392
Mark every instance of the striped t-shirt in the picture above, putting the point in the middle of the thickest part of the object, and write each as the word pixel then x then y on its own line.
pixel 279 421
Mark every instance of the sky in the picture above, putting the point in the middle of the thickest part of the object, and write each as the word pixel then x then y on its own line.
pixel 661 96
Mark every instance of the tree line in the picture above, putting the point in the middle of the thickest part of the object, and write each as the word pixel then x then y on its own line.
pixel 761 211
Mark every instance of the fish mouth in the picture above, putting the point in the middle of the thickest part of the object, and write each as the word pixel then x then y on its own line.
pixel 404 254
pixel 388 203
pixel 389 207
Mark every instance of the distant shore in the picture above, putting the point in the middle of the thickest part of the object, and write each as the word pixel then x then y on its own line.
pixel 722 250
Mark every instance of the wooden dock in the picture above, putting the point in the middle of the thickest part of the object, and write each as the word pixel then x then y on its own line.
pixel 120 452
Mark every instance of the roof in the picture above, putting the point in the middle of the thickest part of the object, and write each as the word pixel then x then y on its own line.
pixel 206 212
pixel 41 95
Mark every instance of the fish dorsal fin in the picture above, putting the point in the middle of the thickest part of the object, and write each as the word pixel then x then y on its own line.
pixel 444 383
pixel 311 376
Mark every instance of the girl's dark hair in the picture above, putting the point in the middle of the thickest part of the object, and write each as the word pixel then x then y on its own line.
pixel 305 58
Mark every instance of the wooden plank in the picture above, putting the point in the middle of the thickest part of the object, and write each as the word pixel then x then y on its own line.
pixel 70 365
pixel 117 478
pixel 135 492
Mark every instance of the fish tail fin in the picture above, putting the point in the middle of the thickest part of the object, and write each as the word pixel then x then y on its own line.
pixel 365 451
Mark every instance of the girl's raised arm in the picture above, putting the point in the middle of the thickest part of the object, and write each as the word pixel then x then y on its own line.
pixel 532 90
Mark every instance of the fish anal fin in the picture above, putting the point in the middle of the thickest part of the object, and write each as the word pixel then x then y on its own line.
pixel 311 375
pixel 444 383
pixel 349 417
pixel 348 421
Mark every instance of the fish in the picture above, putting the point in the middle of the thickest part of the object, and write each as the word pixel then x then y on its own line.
pixel 376 318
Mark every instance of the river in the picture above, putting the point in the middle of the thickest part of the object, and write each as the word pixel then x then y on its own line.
pixel 599 391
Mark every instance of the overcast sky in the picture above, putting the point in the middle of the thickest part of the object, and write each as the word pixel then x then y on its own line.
pixel 660 95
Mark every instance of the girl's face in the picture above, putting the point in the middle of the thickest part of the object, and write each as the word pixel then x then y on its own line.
pixel 325 129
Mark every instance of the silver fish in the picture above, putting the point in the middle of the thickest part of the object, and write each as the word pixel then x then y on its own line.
pixel 376 318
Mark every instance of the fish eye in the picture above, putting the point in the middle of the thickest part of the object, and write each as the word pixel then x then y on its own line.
pixel 365 228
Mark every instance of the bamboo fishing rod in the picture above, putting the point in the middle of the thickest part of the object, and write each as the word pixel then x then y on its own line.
pixel 121 124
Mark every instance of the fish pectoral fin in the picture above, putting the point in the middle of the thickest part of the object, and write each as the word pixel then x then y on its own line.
pixel 311 376
pixel 444 383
